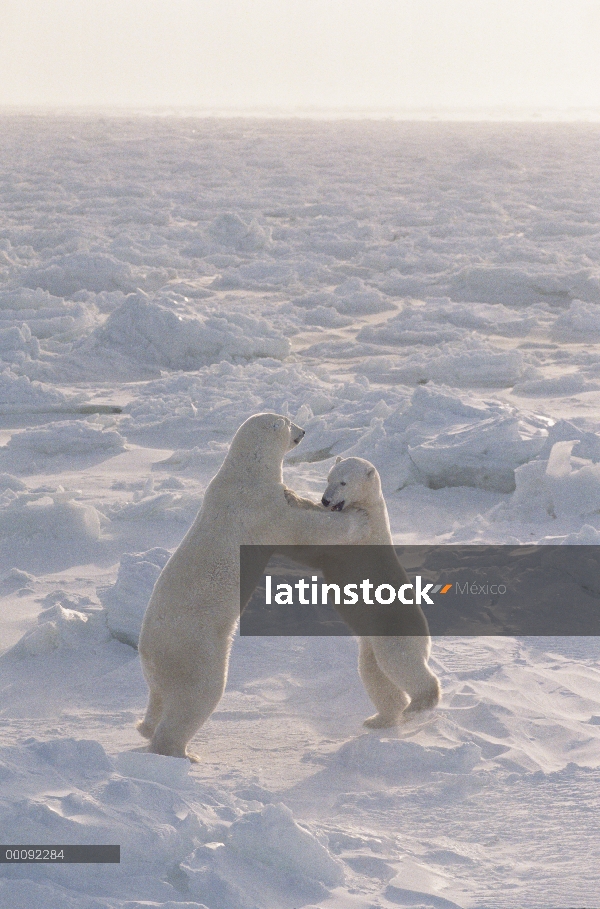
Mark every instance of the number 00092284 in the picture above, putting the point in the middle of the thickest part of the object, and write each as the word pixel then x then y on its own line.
pixel 32 855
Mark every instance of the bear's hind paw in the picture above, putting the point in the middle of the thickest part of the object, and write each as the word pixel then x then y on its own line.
pixel 144 729
pixel 379 721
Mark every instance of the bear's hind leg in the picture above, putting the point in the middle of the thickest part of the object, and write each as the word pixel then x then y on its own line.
pixel 184 713
pixel 426 699
pixel 389 700
pixel 154 710
pixel 404 662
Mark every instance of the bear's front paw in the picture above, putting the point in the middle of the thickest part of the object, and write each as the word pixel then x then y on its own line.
pixel 296 501
pixel 290 496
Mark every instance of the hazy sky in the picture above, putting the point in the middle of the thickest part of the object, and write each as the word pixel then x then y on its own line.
pixel 249 54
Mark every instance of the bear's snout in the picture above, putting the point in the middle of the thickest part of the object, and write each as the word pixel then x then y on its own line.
pixel 299 437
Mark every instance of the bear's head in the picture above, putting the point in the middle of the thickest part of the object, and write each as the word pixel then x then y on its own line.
pixel 265 437
pixel 352 481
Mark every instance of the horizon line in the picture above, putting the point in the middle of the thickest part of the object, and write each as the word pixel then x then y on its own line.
pixel 496 114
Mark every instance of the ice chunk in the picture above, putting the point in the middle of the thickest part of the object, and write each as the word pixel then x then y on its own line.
pixel 560 486
pixel 559 462
pixel 461 441
pixel 125 602
pixel 482 454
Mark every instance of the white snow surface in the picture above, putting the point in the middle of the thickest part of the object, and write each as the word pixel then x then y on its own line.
pixel 426 296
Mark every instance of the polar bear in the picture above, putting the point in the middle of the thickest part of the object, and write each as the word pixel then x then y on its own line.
pixel 188 626
pixel 393 667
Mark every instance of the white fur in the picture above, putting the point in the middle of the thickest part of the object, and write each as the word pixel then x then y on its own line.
pixel 394 670
pixel 189 623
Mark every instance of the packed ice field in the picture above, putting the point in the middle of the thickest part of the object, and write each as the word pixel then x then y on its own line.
pixel 423 295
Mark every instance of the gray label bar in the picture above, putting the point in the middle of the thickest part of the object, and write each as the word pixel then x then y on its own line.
pixel 419 590
pixel 59 854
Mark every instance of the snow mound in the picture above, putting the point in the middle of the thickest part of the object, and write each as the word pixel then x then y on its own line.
pixel 416 899
pixel 17 298
pixel 273 838
pixel 256 276
pixel 47 516
pixel 229 231
pixel 38 314
pixel 125 602
pixel 64 276
pixel 555 386
pixel 392 759
pixel 15 579
pixel 514 286
pixel 156 768
pixel 153 824
pixel 17 344
pixel 158 336
pixel 74 756
pixel 352 297
pixel 326 317
pixel 419 322
pixel 587 536
pixel 581 323
pixel 22 894
pixel 57 444
pixel 61 627
pixel 408 328
pixel 18 394
pixel 465 363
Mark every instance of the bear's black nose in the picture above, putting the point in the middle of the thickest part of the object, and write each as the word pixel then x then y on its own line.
pixel 325 501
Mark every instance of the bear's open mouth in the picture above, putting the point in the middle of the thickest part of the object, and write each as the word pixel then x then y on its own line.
pixel 339 505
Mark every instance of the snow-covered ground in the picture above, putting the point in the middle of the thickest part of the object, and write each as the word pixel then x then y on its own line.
pixel 423 295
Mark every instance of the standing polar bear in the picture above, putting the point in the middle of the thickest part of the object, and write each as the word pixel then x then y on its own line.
pixel 393 667
pixel 188 627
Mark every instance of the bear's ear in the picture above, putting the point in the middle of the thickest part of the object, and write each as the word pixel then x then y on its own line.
pixel 370 472
pixel 338 459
